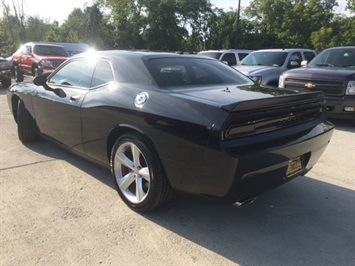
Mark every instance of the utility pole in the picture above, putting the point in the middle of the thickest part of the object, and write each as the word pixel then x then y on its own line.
pixel 237 28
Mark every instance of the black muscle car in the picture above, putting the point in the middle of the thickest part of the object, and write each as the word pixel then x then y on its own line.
pixel 165 122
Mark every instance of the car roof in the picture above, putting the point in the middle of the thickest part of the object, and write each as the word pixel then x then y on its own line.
pixel 43 43
pixel 340 48
pixel 285 50
pixel 116 54
pixel 227 50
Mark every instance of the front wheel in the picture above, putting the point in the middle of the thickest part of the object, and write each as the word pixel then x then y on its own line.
pixel 138 174
pixel 26 126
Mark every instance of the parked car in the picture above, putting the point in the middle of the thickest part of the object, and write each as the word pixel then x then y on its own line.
pixel 165 122
pixel 333 72
pixel 265 66
pixel 232 56
pixel 34 58
pixel 72 48
pixel 5 72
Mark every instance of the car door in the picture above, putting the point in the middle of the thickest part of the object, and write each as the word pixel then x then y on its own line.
pixel 26 59
pixel 58 112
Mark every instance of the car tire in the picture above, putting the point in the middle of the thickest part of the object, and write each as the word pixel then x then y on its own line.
pixel 140 179
pixel 18 75
pixel 26 126
pixel 6 82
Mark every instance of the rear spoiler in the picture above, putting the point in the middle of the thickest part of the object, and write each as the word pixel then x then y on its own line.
pixel 276 101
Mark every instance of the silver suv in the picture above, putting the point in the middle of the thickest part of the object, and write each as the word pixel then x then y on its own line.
pixel 265 66
pixel 231 56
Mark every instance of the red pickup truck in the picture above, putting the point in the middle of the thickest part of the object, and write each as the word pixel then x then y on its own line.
pixel 34 58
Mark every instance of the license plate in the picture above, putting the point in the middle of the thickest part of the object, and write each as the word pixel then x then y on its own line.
pixel 295 166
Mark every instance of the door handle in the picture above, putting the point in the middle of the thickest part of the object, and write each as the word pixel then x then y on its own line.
pixel 74 98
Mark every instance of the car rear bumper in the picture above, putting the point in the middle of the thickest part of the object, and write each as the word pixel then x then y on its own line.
pixel 341 107
pixel 241 172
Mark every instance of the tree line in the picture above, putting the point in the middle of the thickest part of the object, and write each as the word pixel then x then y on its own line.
pixel 184 25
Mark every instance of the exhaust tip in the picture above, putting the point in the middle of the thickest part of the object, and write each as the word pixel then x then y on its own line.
pixel 245 202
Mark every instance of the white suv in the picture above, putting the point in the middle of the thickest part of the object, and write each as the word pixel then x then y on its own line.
pixel 265 66
pixel 231 56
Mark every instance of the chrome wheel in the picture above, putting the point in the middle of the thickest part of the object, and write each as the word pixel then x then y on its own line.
pixel 132 172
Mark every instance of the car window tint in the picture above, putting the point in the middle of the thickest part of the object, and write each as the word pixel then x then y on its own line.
pixel 103 74
pixel 50 50
pixel 76 73
pixel 262 58
pixel 28 50
pixel 296 57
pixel 335 57
pixel 242 56
pixel 183 72
pixel 309 56
pixel 230 58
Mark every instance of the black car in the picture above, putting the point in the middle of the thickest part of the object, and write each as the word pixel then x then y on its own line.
pixel 333 72
pixel 165 122
pixel 5 72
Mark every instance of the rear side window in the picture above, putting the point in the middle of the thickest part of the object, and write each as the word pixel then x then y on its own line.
pixel 103 74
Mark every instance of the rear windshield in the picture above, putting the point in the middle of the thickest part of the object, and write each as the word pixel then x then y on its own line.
pixel 275 59
pixel 184 72
pixel 50 50
pixel 337 58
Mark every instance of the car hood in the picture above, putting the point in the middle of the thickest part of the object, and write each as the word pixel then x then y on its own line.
pixel 254 70
pixel 322 73
pixel 236 98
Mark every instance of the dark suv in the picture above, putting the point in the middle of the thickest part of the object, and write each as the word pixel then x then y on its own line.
pixel 333 72
pixel 5 72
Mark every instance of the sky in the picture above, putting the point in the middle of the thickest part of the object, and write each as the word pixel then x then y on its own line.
pixel 59 10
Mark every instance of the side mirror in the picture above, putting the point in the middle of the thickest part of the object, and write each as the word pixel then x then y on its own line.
pixel 40 80
pixel 304 63
pixel 294 64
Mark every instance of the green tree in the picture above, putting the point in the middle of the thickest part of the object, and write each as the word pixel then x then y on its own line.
pixel 351 5
pixel 37 27
pixel 292 22
pixel 159 24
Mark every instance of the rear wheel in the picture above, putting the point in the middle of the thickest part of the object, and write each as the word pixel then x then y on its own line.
pixel 6 82
pixel 18 74
pixel 138 174
pixel 26 126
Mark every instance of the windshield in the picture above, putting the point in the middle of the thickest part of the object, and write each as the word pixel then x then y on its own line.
pixel 275 59
pixel 335 58
pixel 184 72
pixel 215 55
pixel 50 50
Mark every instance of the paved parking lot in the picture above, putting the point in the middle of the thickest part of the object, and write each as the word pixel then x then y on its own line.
pixel 57 209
